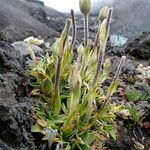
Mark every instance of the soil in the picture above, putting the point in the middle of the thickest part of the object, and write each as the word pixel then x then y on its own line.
pixel 20 19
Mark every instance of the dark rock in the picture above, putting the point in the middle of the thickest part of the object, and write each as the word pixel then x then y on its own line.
pixel 39 14
pixel 140 47
pixel 53 22
pixel 56 23
pixel 123 141
pixel 3 146
pixel 9 58
pixel 17 23
pixel 12 33
pixel 144 106
pixel 15 107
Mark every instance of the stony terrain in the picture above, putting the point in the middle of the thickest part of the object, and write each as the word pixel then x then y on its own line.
pixel 20 19
pixel 130 17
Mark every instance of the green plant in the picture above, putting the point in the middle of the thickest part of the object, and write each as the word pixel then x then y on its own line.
pixel 76 113
pixel 135 95
pixel 135 115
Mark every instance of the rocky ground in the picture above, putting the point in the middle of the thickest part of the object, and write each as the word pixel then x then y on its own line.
pixel 21 19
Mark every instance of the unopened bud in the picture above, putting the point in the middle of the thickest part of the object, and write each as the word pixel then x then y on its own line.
pixel 102 32
pixel 65 32
pixel 74 80
pixel 85 6
pixel 103 13
pixel 61 42
pixel 107 64
pixel 93 57
pixel 80 49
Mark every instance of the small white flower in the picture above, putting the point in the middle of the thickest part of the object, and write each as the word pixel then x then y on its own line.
pixel 33 41
pixel 145 71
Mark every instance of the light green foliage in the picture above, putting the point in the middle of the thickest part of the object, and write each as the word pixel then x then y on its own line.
pixel 135 115
pixel 135 95
pixel 76 112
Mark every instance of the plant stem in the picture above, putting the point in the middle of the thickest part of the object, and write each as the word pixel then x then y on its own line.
pixel 57 77
pixel 114 80
pixel 102 50
pixel 86 30
pixel 119 68
pixel 56 100
pixel 96 41
pixel 73 29
pixel 60 55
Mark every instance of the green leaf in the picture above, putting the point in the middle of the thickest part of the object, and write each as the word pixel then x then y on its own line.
pixel 85 60
pixel 68 147
pixel 51 136
pixel 67 59
pixel 115 108
pixel 68 129
pixel 57 103
pixel 64 108
pixel 111 130
pixel 112 88
pixel 89 138
pixel 107 117
pixel 37 128
pixel 41 115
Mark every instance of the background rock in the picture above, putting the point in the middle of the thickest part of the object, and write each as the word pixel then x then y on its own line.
pixel 130 17
pixel 15 107
pixel 140 47
pixel 17 23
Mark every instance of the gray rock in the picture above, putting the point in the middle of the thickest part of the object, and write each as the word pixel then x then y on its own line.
pixel 144 107
pixel 140 47
pixel 17 23
pixel 22 48
pixel 130 17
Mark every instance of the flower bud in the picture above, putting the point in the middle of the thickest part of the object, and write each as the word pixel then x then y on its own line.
pixel 103 32
pixel 75 79
pixel 80 49
pixel 107 64
pixel 103 13
pixel 60 43
pixel 93 58
pixel 85 6
pixel 65 32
